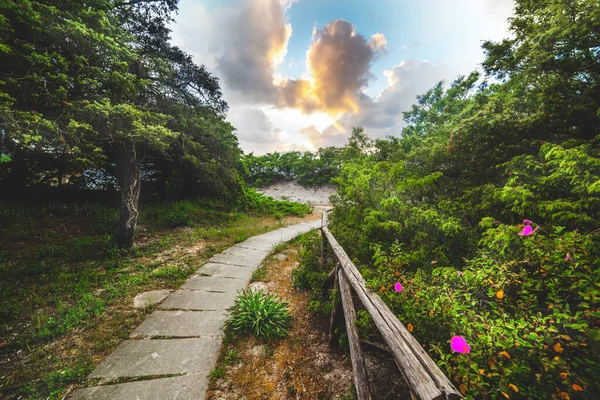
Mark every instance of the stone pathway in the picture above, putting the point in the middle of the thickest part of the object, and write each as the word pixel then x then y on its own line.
pixel 170 355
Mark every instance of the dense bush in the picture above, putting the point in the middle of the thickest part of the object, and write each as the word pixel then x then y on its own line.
pixel 527 305
pixel 311 273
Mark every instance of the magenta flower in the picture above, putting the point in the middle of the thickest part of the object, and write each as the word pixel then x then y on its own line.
pixel 459 272
pixel 567 257
pixel 527 230
pixel 459 345
pixel 398 287
pixel 527 222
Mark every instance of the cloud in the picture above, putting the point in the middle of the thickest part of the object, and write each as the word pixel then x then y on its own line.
pixel 382 116
pixel 253 40
pixel 378 43
pixel 331 136
pixel 244 44
pixel 339 61
pixel 253 43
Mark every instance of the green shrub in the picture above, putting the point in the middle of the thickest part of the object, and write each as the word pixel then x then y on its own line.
pixel 260 314
pixel 310 274
pixel 253 200
pixel 529 306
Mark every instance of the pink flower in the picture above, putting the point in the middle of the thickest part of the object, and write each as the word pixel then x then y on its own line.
pixel 527 230
pixel 459 272
pixel 527 222
pixel 459 345
pixel 567 257
pixel 398 287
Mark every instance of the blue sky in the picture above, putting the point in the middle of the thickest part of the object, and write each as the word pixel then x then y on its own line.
pixel 283 104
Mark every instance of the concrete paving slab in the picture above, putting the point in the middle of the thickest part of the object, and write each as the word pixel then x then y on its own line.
pixel 257 243
pixel 242 251
pixel 209 268
pixel 186 387
pixel 181 324
pixel 136 358
pixel 231 259
pixel 215 283
pixel 198 300
pixel 233 271
pixel 145 299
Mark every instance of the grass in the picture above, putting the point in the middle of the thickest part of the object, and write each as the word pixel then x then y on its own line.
pixel 66 291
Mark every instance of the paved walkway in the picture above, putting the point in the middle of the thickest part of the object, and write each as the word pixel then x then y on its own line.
pixel 170 355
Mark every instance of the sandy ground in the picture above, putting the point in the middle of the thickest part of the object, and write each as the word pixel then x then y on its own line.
pixel 293 192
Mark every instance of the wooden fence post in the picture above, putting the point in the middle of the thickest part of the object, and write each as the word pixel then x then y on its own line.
pixel 336 311
pixel 359 368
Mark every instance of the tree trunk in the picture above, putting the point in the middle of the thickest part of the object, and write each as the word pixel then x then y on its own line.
pixel 129 165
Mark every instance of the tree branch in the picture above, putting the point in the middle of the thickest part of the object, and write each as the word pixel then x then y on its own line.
pixel 134 2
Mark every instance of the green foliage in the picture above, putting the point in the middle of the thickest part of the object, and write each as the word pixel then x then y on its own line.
pixel 308 169
pixel 519 295
pixel 260 314
pixel 69 316
pixel 253 200
pixel 310 273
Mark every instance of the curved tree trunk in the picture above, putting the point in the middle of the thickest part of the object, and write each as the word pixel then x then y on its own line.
pixel 131 178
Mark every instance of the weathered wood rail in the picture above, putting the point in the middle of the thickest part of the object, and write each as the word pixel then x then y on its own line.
pixel 424 378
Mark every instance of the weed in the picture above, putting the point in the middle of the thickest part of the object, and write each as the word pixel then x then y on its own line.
pixel 233 356
pixel 218 372
pixel 259 274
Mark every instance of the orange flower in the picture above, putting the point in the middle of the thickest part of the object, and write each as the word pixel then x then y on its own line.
pixel 505 354
pixel 481 371
pixel 500 294
pixel 576 387
pixel 409 327
pixel 556 358
pixel 382 289
pixel 563 375
pixel 513 387
pixel 463 388
pixel 564 396
pixel 557 348
pixel 505 395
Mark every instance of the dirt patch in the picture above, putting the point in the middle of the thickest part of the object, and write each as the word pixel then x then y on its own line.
pixel 291 191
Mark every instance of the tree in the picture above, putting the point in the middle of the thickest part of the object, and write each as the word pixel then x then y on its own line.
pixel 98 84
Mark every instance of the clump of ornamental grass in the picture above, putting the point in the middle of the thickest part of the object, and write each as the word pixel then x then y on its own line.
pixel 260 314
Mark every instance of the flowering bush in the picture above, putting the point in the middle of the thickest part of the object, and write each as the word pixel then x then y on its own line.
pixel 526 309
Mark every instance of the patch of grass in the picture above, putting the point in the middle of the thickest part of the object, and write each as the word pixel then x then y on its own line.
pixel 218 372
pixel 170 272
pixel 56 381
pixel 233 356
pixel 259 273
pixel 260 314
pixel 69 316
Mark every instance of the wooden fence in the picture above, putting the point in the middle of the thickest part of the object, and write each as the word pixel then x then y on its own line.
pixel 425 380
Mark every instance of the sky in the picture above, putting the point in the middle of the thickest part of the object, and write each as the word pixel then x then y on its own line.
pixel 299 74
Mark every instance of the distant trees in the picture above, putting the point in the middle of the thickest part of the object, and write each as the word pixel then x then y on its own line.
pixel 308 168
pixel 97 86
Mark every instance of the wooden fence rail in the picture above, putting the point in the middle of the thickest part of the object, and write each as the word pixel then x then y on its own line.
pixel 424 378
